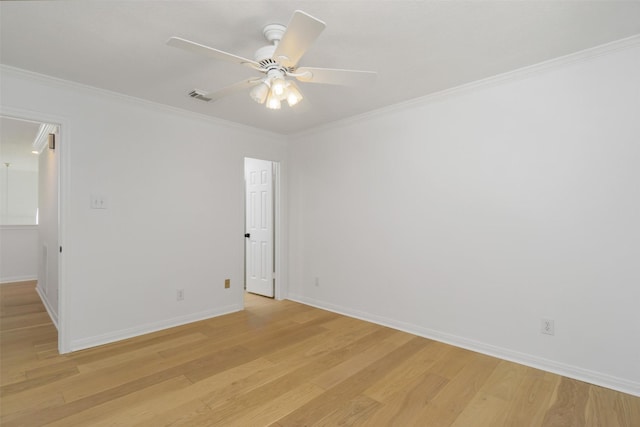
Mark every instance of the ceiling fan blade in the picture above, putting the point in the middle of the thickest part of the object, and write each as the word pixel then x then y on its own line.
pixel 210 52
pixel 229 90
pixel 333 76
pixel 302 31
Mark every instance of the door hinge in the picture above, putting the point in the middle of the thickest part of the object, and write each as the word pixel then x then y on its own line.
pixel 60 249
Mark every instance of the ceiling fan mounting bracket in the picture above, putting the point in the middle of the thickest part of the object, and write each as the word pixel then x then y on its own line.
pixel 274 32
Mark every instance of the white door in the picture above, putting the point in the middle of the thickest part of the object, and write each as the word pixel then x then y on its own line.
pixel 259 226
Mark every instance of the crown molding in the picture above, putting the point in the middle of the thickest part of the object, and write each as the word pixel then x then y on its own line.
pixel 514 75
pixel 92 90
pixel 509 76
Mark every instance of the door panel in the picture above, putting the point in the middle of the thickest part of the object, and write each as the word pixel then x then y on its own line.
pixel 259 226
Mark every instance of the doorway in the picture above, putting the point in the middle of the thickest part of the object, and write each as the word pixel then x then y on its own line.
pixel 47 148
pixel 262 242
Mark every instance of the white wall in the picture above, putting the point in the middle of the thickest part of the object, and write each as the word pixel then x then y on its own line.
pixel 18 253
pixel 174 186
pixel 469 217
pixel 48 230
pixel 18 196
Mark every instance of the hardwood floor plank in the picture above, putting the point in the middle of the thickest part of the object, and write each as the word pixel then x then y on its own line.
pixel 332 377
pixel 93 382
pixel 453 360
pixel 310 367
pixel 489 406
pixel 352 385
pixel 568 407
pixel 180 341
pixel 35 381
pixel 356 410
pixel 532 399
pixel 57 413
pixel 119 411
pixel 324 343
pixel 454 397
pixel 504 382
pixel 400 408
pixel 181 415
pixel 278 363
pixel 145 411
pixel 595 415
pixel 128 346
pixel 24 321
pixel 406 372
pixel 484 410
pixel 31 407
pixel 611 409
pixel 275 408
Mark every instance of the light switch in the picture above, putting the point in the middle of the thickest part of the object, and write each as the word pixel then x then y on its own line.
pixel 98 202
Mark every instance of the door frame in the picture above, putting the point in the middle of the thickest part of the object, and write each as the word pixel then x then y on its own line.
pixel 278 252
pixel 62 164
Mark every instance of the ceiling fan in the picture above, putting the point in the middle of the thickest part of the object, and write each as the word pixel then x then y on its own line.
pixel 278 61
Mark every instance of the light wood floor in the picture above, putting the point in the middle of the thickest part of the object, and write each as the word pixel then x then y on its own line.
pixel 283 364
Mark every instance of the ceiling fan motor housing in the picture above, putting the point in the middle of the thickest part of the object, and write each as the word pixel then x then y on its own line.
pixel 264 53
pixel 273 33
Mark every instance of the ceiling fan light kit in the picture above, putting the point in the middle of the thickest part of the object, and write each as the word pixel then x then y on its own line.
pixel 293 95
pixel 273 103
pixel 278 61
pixel 260 92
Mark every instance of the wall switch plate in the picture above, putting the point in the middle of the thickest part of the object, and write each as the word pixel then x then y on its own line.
pixel 98 202
pixel 547 327
pixel 227 283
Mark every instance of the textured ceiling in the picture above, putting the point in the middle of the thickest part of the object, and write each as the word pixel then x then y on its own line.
pixel 417 47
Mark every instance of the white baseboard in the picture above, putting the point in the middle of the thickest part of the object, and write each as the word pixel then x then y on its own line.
pixel 52 314
pixel 597 378
pixel 123 334
pixel 15 279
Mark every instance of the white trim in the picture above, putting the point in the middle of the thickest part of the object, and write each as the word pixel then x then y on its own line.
pixel 597 378
pixel 67 84
pixel 16 279
pixel 513 75
pixel 19 227
pixel 277 237
pixel 148 328
pixel 47 306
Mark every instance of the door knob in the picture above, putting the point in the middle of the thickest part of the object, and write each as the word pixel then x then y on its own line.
pixel 247 234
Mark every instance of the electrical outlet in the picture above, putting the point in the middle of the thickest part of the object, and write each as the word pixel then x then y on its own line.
pixel 547 327
pixel 227 283
pixel 317 282
pixel 180 295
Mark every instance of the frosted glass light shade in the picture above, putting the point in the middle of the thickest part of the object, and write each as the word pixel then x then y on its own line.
pixel 293 95
pixel 273 103
pixel 278 86
pixel 260 92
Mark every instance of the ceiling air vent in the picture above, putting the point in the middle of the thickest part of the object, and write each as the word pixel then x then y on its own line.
pixel 198 94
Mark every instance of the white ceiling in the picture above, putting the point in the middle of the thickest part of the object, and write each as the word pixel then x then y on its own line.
pixel 417 47
pixel 16 144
